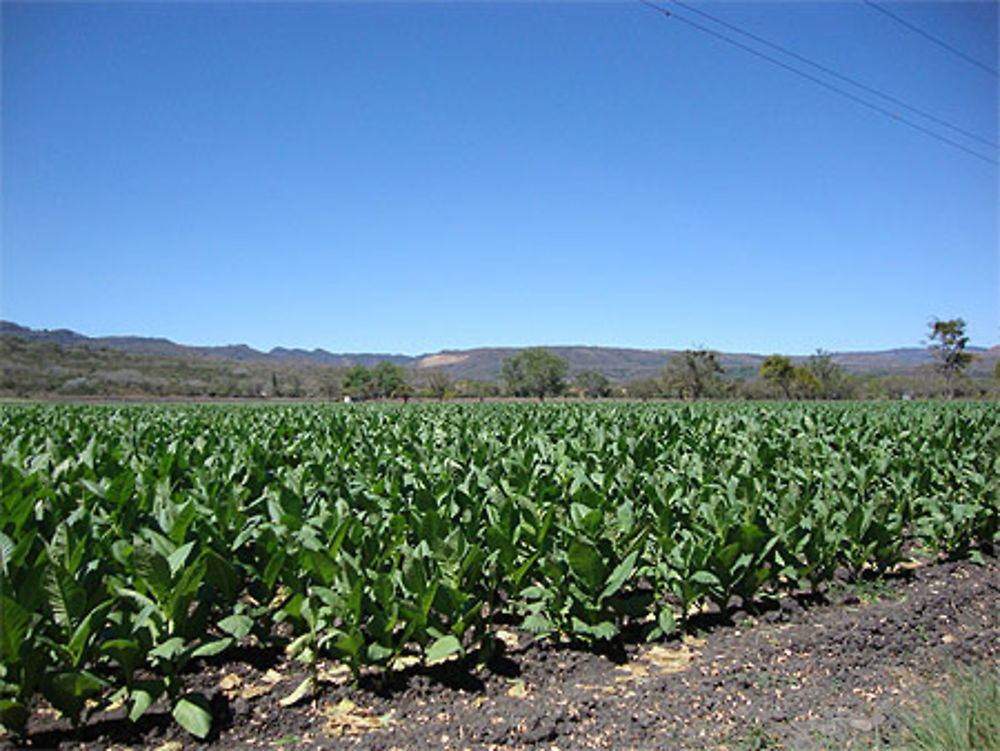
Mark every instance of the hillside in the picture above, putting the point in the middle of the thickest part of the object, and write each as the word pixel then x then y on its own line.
pixel 63 360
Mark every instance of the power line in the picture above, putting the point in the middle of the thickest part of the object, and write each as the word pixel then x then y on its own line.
pixel 825 84
pixel 835 74
pixel 930 37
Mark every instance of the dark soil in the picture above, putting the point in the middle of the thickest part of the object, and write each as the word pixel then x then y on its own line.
pixel 840 672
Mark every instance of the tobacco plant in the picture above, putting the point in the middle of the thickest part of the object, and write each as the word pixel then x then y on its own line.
pixel 136 541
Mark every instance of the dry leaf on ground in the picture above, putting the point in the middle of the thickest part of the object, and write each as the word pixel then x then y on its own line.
pixel 518 690
pixel 347 717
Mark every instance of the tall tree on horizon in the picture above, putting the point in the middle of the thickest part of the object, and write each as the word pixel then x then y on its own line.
pixel 947 342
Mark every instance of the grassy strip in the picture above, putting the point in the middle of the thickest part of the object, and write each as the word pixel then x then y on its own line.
pixel 967 718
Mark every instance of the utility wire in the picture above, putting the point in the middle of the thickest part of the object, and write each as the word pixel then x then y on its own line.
pixel 930 37
pixel 888 113
pixel 835 74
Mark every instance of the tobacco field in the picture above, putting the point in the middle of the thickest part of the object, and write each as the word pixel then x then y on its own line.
pixel 137 540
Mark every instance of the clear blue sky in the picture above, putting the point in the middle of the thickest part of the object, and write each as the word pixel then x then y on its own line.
pixel 414 177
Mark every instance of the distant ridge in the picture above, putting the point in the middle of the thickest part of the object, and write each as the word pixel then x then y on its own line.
pixel 484 363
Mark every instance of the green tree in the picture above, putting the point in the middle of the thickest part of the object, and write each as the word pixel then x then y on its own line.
pixel 358 382
pixel 480 390
pixel 644 388
pixel 947 342
pixel 831 379
pixel 389 381
pixel 330 387
pixel 592 384
pixel 437 384
pixel 693 373
pixel 534 372
pixel 779 371
pixel 805 383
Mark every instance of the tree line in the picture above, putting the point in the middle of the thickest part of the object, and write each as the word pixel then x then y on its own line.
pixel 697 373
pixel 33 368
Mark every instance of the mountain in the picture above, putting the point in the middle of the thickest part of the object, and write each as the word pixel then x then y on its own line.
pixel 482 364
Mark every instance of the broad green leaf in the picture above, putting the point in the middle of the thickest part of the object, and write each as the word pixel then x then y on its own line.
pixel 237 626
pixel 620 574
pixel 212 648
pixel 377 653
pixel 586 563
pixel 350 644
pixel 603 630
pixel 68 691
pixel 705 577
pixel 665 620
pixel 125 651
pixel 184 515
pixel 221 575
pixel 152 570
pixel 178 558
pixel 320 563
pixel 194 714
pixel 97 489
pixel 442 649
pixel 65 597
pixel 538 623
pixel 728 554
pixel 168 650
pixel 14 624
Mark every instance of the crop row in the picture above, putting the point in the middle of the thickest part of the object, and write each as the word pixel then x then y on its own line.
pixel 135 540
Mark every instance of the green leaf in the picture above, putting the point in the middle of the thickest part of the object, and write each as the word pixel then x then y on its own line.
pixel 378 653
pixel 185 514
pixel 752 538
pixel 152 569
pixel 538 624
pixel 442 649
pixel 212 648
pixel 604 630
pixel 727 555
pixel 97 489
pixel 498 540
pixel 321 564
pixel 6 552
pixel 94 620
pixel 620 575
pixel 192 713
pixel 273 568
pixel 586 563
pixel 125 651
pixel 178 558
pixel 237 626
pixel 221 575
pixel 169 649
pixel 65 597
pixel 13 715
pixel 143 696
pixel 14 624
pixel 665 620
pixel 705 577
pixel 67 691
pixel 350 644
